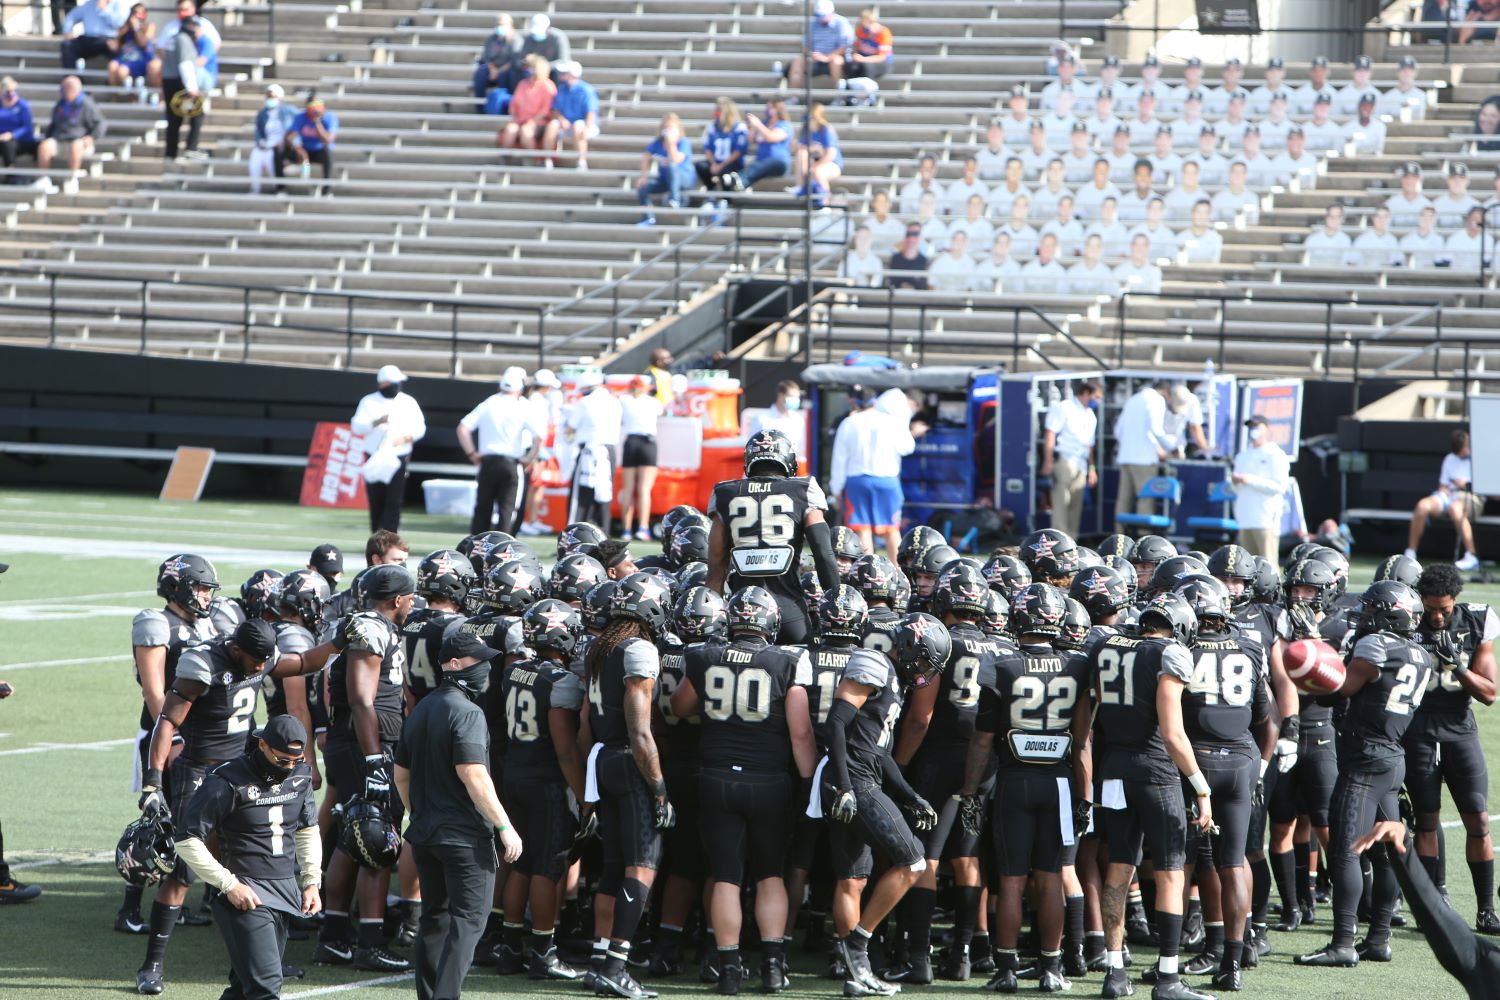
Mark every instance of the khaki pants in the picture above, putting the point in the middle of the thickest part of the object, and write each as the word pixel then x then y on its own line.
pixel 1132 479
pixel 1069 480
pixel 1261 541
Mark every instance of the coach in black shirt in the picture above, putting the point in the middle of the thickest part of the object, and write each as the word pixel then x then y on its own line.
pixel 442 773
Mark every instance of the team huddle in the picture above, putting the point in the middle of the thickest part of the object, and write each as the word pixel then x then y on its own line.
pixel 1074 750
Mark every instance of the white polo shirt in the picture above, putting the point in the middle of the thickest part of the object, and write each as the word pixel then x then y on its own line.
pixel 506 424
pixel 1141 428
pixel 1075 426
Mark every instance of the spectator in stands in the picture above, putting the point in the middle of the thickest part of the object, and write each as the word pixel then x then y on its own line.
pixel 1487 123
pixel 1067 229
pixel 1133 203
pixel 1295 163
pixel 1105 120
pixel 1260 170
pixel 953 271
pixel 1000 272
pixel 1453 205
pixel 1122 159
pixel 1201 242
pixel 1189 125
pixel 773 142
pixel 670 155
pixel 75 126
pixel 1145 124
pixel 1230 130
pixel 1066 82
pixel 543 40
pixel 1405 95
pixel 820 161
pixel 1165 164
pixel 530 106
pixel 135 45
pixel 1114 233
pixel 184 96
pixel 1045 198
pixel 829 38
pixel 575 114
pixel 1163 240
pixel 1141 443
pixel 1151 83
pixel 1275 77
pixel 1016 124
pixel 17 129
pixel 925 181
pixel 1470 247
pixel 1274 127
pixel 273 124
pixel 1091 276
pixel 1305 96
pixel 497 65
pixel 908 266
pixel 1044 275
pixel 885 229
pixel 1480 11
pixel 1237 202
pixel 1192 83
pixel 725 142
pixel 1329 245
pixel 311 139
pixel 1182 198
pixel 1377 245
pixel 1321 131
pixel 974 225
pixel 1453 497
pixel 1092 195
pixel 388 421
pixel 1213 168
pixel 1078 161
pixel 90 31
pixel 1138 274
pixel 1262 473
pixel 993 155
pixel 862 265
pixel 874 48
pixel 1109 79
pixel 956 196
pixel 1023 238
pixel 1037 154
pixel 1057 124
pixel 1424 246
pixel 1407 204
pixel 1216 100
pixel 639 412
pixel 1365 132
pixel 1347 103
pixel 934 229
pixel 1449 11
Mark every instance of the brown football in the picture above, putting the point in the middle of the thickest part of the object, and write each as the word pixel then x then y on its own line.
pixel 1314 666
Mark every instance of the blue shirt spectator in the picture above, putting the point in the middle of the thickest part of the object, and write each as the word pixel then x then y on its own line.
pixel 96 19
pixel 828 31
pixel 824 136
pixel 669 145
pixel 657 150
pixel 725 143
pixel 721 145
pixel 15 114
pixel 575 100
pixel 305 127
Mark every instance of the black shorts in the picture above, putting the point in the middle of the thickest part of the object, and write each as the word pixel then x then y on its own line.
pixel 185 778
pixel 817 68
pixel 809 841
pixel 1306 789
pixel 1153 815
pixel 1255 843
pixel 879 826
pixel 794 627
pixel 746 821
pixel 1231 781
pixel 639 452
pixel 544 820
pixel 682 846
pixel 1432 762
pixel 870 71
pixel 1360 797
pixel 627 820
pixel 1032 821
pixel 937 774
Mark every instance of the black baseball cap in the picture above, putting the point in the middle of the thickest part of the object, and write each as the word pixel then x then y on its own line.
pixel 1151 61
pixel 1276 62
pixel 1323 98
pixel 1295 130
pixel 387 582
pixel 1407 62
pixel 1321 61
pixel 256 639
pixel 326 559
pixel 1458 169
pixel 1194 61
pixel 1080 126
pixel 459 645
pixel 284 734
pixel 1363 62
pixel 1111 60
pixel 1368 97
pixel 1256 418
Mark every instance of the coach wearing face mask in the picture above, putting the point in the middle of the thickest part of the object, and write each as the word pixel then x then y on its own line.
pixel 443 776
pixel 1261 475
pixel 390 422
pixel 785 415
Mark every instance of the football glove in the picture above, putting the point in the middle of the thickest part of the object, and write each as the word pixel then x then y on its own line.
pixel 1286 755
pixel 845 806
pixel 1304 626
pixel 663 815
pixel 971 814
pixel 923 816
pixel 377 778
pixel 1083 815
pixel 1258 794
pixel 153 802
pixel 588 826
pixel 1446 651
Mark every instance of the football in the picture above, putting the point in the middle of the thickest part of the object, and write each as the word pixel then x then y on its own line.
pixel 1314 666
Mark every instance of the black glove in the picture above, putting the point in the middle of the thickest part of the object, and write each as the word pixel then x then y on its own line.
pixel 1303 624
pixel 153 801
pixel 377 778
pixel 845 806
pixel 1446 651
pixel 1083 814
pixel 1258 795
pixel 971 814
pixel 663 815
pixel 588 825
pixel 923 816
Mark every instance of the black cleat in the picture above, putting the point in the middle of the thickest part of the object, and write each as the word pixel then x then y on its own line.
pixel 130 922
pixel 1099 962
pixel 861 980
pixel 193 918
pixel 708 971
pixel 1228 980
pixel 916 970
pixel 982 965
pixel 1202 963
pixel 1073 962
pixel 956 966
pixel 621 984
pixel 406 934
pixel 1004 981
pixel 509 961
pixel 1398 918
pixel 1138 930
pixel 1177 990
pixel 550 966
pixel 1262 940
pixel 1371 952
pixel 1193 932
pixel 148 981
pixel 333 953
pixel 379 960
pixel 1309 912
pixel 1291 919
pixel 1487 922
pixel 664 966
pixel 1329 958
pixel 1117 984
pixel 292 971
pixel 773 977
pixel 1249 954
pixel 731 977
pixel 1052 981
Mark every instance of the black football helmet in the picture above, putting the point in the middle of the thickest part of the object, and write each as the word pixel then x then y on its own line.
pixel 259 592
pixel 996 617
pixel 753 611
pixel 552 624
pixel 770 448
pixel 681 514
pixel 1101 590
pixel 1117 545
pixel 1151 550
pixel 1234 562
pixel 1267 584
pixel 846 544
pixel 367 836
pixel 935 559
pixel 1402 569
pixel 1340 565
pixel 1007 574
pixel 446 574
pixel 514 551
pixel 177 577
pixel 1389 606
pixel 693 574
pixel 1311 573
pixel 1126 569
pixel 902 600
pixel 960 591
pixel 699 614
pixel 304 593
pixel 1088 557
pixel 574 576
pixel 1050 554
pixel 512 587
pixel 667 578
pixel 874 576
pixel 812 589
pixel 920 647
pixel 643 598
pixel 916 541
pixel 1075 626
pixel 842 613
pixel 689 543
pixel 1209 599
pixel 1198 554
pixel 1038 609
pixel 477 547
pixel 596 604
pixel 1301 551
pixel 147 851
pixel 578 534
pixel 1164 578
pixel 1171 611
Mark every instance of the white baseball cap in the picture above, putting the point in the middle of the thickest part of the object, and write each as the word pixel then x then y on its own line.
pixel 590 377
pixel 568 67
pixel 513 379
pixel 545 378
pixel 538 24
pixel 823 8
pixel 391 374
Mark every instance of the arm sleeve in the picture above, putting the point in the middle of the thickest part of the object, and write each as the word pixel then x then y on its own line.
pixel 194 665
pixel 567 691
pixel 309 844
pixel 820 540
pixel 840 714
pixel 1177 662
pixel 802 671
pixel 1371 649
pixel 201 860
pixel 895 781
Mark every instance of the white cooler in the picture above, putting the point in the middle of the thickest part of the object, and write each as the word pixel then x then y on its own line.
pixel 450 497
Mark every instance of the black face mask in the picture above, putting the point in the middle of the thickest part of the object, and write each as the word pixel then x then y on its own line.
pixel 472 681
pixel 390 391
pixel 266 770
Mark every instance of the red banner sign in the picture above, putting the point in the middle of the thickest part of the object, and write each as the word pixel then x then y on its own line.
pixel 332 478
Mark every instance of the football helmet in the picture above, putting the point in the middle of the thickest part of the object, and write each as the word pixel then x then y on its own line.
pixel 699 614
pixel 178 575
pixel 902 600
pixel 916 541
pixel 1101 590
pixel 681 514
pixel 693 574
pixel 1075 626
pixel 1088 557
pixel 771 448
pixel 446 574
pixel 1389 606
pixel 1172 611
pixel 644 598
pixel 1007 574
pixel 688 543
pixel 552 624
pixel 1267 585
pixel 147 851
pixel 1402 569
pixel 1049 554
pixel 367 836
pixel 812 589
pixel 1126 569
pixel 1209 599
pixel 512 587
pixel 1164 578
pixel 596 604
pixel 846 544
pixel 753 611
pixel 1234 562
pixel 477 547
pixel 1311 573
pixel 304 593
pixel 259 592
pixel 577 534
pixel 996 617
pixel 1151 550
pixel 935 559
pixel 1340 565
pixel 575 575
pixel 1117 545
pixel 1038 609
pixel 920 646
pixel 959 590
pixel 874 576
pixel 842 613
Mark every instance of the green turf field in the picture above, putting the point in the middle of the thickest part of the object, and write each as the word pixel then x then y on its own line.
pixel 83 564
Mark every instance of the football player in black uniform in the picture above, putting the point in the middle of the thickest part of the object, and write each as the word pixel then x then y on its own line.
pixel 157 638
pixel 1006 574
pixel 1052 557
pixel 1225 704
pixel 760 524
pixel 878 581
pixel 1138 683
pixel 211 706
pixel 366 702
pixel 1039 697
pixel 444 579
pixel 541 699
pixel 1149 552
pixel 937 728
pixel 299 607
pixel 573 576
pixel 1442 744
pixel 752 697
pixel 925 569
pixel 918 539
pixel 270 857
pixel 1386 681
pixel 509 589
pixel 847 549
pixel 625 775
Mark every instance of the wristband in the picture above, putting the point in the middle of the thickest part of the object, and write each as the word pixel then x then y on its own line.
pixel 502 828
pixel 152 779
pixel 1198 783
pixel 1264 764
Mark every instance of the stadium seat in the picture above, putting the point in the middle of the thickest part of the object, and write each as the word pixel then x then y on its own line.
pixel 1164 490
pixel 1216 530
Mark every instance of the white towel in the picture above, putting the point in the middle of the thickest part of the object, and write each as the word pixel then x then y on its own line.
pixel 1065 811
pixel 1113 794
pixel 596 472
pixel 815 797
pixel 591 770
pixel 135 762
pixel 381 466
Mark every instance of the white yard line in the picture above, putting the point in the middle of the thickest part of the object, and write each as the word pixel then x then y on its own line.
pixel 154 551
pixel 54 747
pixel 87 859
pixel 117 596
pixel 347 987
pixel 75 662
